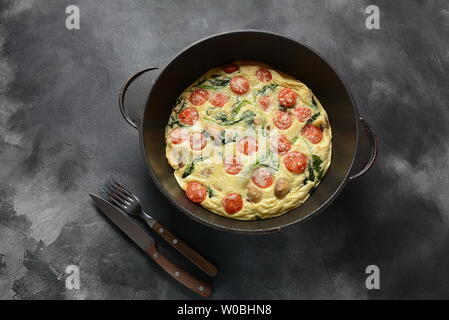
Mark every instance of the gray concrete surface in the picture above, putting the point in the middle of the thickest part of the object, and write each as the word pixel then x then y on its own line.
pixel 61 136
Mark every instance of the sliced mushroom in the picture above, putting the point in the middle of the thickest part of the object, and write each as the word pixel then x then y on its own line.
pixel 282 188
pixel 254 195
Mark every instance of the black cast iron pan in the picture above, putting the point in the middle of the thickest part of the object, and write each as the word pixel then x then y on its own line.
pixel 281 53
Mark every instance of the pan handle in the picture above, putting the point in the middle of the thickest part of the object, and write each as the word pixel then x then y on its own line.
pixel 374 146
pixel 131 116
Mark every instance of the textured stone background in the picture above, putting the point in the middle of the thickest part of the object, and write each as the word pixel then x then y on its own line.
pixel 61 136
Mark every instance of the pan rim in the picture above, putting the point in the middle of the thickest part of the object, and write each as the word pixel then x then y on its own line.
pixel 215 226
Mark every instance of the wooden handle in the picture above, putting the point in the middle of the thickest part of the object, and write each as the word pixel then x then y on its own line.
pixel 179 274
pixel 185 250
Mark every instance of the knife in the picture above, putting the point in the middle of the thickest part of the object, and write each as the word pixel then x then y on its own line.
pixel 147 244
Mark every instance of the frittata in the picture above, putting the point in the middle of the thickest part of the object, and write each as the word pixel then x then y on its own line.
pixel 248 142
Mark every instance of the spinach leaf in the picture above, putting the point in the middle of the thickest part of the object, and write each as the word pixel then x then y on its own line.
pixel 219 82
pixel 237 106
pixel 313 118
pixel 269 160
pixel 316 160
pixel 210 192
pixel 314 104
pixel 205 86
pixel 173 121
pixel 314 165
pixel 317 165
pixel 271 87
pixel 181 103
pixel 222 117
pixel 191 166
pixel 311 174
pixel 188 171
pixel 226 120
pixel 214 82
pixel 247 116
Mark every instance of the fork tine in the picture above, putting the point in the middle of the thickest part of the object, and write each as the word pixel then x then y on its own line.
pixel 118 204
pixel 113 194
pixel 117 192
pixel 123 194
pixel 121 188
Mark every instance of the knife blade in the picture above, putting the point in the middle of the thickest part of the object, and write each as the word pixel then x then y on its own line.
pixel 147 243
pixel 124 222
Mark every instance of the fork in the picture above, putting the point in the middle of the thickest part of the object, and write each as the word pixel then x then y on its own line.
pixel 129 203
